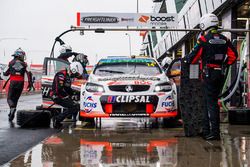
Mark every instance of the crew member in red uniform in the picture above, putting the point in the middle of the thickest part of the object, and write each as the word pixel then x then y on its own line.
pixel 215 53
pixel 17 69
pixel 62 92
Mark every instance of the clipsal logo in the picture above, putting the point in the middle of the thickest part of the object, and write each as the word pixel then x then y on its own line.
pixel 89 104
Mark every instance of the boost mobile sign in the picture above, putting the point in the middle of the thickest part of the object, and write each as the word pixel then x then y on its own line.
pixel 127 19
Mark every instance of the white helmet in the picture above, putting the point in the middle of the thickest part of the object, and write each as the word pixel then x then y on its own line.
pixel 76 68
pixel 166 62
pixel 65 48
pixel 208 20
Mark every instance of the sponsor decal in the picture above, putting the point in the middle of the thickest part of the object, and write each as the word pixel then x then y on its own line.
pixel 128 99
pixel 99 19
pixel 123 60
pixel 168 103
pixel 157 20
pixel 46 91
pixel 129 115
pixel 115 83
pixel 144 19
pixel 162 18
pixel 111 99
pixel 124 78
pixel 127 19
pixel 142 82
pixel 89 104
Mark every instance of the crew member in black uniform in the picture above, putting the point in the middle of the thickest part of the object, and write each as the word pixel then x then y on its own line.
pixel 62 92
pixel 16 69
pixel 216 53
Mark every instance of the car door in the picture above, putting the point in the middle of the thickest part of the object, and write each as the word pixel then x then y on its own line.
pixel 50 67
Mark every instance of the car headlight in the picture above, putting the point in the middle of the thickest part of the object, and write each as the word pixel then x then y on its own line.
pixel 91 87
pixel 163 87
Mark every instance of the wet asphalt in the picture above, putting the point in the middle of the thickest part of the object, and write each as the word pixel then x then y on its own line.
pixel 127 142
pixel 134 146
pixel 15 140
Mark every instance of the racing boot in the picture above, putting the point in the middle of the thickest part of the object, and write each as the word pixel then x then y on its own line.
pixel 12 114
pixel 57 124
pixel 74 116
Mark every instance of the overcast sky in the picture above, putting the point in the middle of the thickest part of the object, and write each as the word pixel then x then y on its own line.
pixel 34 24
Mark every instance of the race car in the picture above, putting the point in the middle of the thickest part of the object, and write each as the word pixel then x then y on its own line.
pixel 128 87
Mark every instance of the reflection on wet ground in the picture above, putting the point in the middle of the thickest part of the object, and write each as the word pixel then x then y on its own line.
pixel 139 147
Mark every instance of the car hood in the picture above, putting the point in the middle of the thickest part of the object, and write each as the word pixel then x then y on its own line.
pixel 127 78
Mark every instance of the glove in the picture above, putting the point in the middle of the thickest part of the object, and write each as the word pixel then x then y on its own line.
pixel 55 98
pixel 30 87
pixel 185 60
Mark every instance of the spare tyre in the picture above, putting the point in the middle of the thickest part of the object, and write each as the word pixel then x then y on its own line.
pixel 33 118
pixel 191 102
pixel 239 116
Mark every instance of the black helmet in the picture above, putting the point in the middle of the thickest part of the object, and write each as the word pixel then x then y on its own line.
pixel 19 53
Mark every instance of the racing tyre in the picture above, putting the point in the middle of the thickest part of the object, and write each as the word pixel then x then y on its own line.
pixel 191 102
pixel 39 107
pixel 33 118
pixel 239 116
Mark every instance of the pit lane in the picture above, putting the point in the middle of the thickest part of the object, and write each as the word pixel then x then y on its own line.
pixel 119 142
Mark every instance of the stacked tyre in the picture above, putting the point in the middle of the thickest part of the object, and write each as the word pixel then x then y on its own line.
pixel 191 102
pixel 33 118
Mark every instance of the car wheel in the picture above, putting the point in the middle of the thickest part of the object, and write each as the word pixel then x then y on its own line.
pixel 191 102
pixel 33 118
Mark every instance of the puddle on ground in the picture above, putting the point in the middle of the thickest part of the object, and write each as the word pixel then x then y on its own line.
pixel 138 147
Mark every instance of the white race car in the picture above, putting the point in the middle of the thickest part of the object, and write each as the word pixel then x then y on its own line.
pixel 128 87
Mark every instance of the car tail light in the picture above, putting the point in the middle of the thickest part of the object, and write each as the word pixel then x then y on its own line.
pixel 108 108
pixel 149 108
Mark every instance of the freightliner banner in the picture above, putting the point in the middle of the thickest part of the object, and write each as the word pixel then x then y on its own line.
pixel 127 19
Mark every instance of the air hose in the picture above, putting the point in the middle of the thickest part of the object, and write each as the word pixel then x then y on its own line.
pixel 224 88
pixel 242 58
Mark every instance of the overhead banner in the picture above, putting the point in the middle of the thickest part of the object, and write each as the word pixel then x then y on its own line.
pixel 127 19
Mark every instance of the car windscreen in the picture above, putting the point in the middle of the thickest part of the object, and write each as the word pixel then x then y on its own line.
pixel 127 66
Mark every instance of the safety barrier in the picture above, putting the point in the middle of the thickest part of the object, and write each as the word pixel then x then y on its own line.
pixel 3 92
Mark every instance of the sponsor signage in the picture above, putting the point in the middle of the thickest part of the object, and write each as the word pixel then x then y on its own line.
pixel 168 103
pixel 128 99
pixel 129 115
pixel 128 19
pixel 89 104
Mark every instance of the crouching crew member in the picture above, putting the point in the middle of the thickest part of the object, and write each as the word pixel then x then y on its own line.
pixel 216 53
pixel 62 92
pixel 16 69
